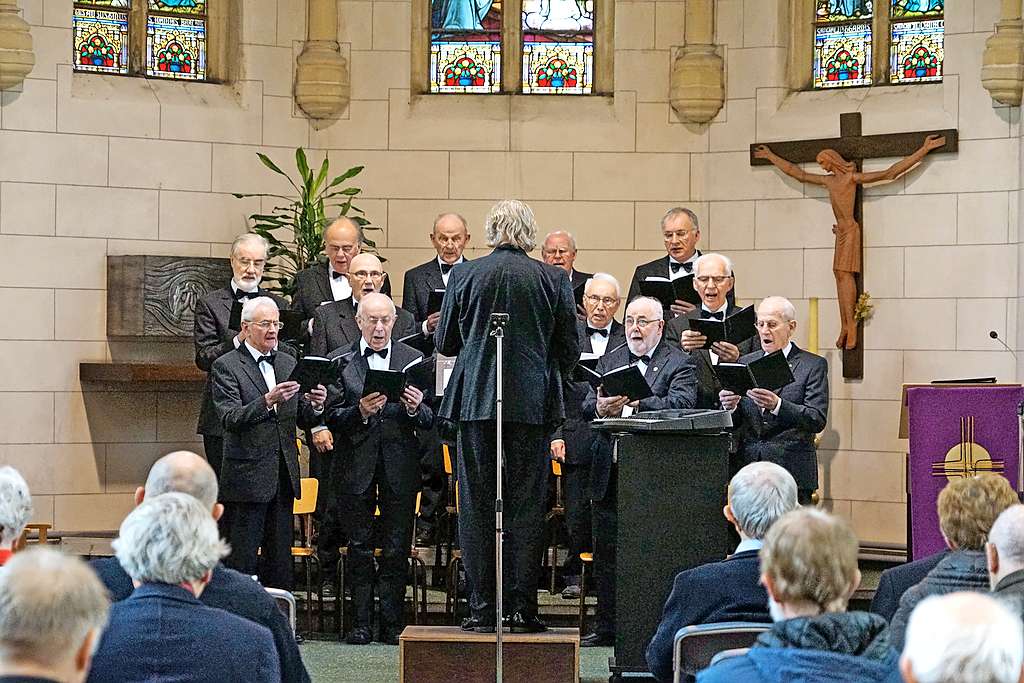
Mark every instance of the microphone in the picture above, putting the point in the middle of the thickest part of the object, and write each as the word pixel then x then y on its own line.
pixel 995 335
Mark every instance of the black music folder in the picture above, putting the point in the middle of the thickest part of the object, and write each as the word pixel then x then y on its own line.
pixel 391 383
pixel 625 381
pixel 434 301
pixel 314 370
pixel 770 372
pixel 735 329
pixel 667 291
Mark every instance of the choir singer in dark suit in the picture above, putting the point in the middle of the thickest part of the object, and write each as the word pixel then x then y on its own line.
pixel 681 232
pixel 541 347
pixel 259 408
pixel 781 427
pixel 559 249
pixel 213 335
pixel 572 444
pixel 380 469
pixel 450 237
pixel 669 372
pixel 713 280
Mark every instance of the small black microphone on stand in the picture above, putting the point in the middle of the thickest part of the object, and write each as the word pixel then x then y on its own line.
pixel 1020 426
pixel 995 335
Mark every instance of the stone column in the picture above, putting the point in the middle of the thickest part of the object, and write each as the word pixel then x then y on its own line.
pixel 322 79
pixel 16 56
pixel 697 84
pixel 1002 65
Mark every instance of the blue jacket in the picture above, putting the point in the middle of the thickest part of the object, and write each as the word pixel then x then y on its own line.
pixel 162 633
pixel 831 648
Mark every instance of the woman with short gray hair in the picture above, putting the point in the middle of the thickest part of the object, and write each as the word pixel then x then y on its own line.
pixel 15 510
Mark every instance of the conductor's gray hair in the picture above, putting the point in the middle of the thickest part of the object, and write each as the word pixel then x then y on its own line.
pixel 183 472
pixel 604 277
pixel 707 258
pixel 964 637
pixel 759 494
pixel 511 221
pixel 250 238
pixel 250 306
pixel 1007 535
pixel 784 305
pixel 566 233
pixel 49 602
pixel 15 505
pixel 677 211
pixel 171 539
pixel 657 314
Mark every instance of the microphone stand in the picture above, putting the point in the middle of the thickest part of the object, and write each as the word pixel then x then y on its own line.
pixel 498 321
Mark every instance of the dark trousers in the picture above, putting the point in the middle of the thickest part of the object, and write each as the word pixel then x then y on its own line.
pixel 432 479
pixel 267 527
pixel 576 490
pixel 606 525
pixel 329 523
pixel 524 497
pixel 395 540
pixel 213 446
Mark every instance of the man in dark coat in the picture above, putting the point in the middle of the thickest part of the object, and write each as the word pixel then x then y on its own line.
pixel 381 469
pixel 669 372
pixel 259 408
pixel 729 590
pixel 213 334
pixel 541 347
pixel 780 426
pixel 895 581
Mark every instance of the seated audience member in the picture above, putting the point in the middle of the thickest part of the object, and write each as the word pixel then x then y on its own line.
pixel 15 510
pixel 729 590
pixel 895 581
pixel 809 569
pixel 967 509
pixel 963 638
pixel 1004 554
pixel 231 591
pixel 52 611
pixel 161 632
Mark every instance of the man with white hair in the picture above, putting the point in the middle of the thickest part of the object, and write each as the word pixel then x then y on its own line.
pixel 962 638
pixel 1004 554
pixel 779 424
pixel 169 546
pixel 542 349
pixel 52 612
pixel 213 336
pixel 231 591
pixel 259 478
pixel 559 249
pixel 669 373
pixel 15 510
pixel 729 590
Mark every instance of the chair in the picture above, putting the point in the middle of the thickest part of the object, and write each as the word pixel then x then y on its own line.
pixel 451 592
pixel 695 646
pixel 728 654
pixel 552 520
pixel 285 602
pixel 586 560
pixel 39 530
pixel 446 541
pixel 303 508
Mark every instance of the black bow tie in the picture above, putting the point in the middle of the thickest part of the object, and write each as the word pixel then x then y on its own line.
pixel 241 296
pixel 708 315
pixel 269 358
pixel 335 274
pixel 367 352
pixel 688 266
pixel 591 331
pixel 633 360
pixel 446 268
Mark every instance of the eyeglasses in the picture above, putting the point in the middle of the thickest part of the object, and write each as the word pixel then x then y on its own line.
pixel 385 321
pixel 349 249
pixel 639 322
pixel 560 251
pixel 677 235
pixel 267 324
pixel 717 279
pixel 251 263
pixel 770 324
pixel 367 274
pixel 606 300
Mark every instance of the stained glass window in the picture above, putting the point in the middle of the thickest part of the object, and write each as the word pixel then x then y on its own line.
pixel 916 45
pixel 100 35
pixel 842 55
pixel 842 10
pixel 176 39
pixel 465 46
pixel 558 46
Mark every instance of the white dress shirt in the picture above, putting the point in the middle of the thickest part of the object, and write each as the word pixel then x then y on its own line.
pixel 703 311
pixel 340 286
pixel 682 272
pixel 785 353
pixel 628 410
pixel 444 275
pixel 374 361
pixel 599 342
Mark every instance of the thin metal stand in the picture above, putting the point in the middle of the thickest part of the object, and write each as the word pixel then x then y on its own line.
pixel 1020 451
pixel 498 322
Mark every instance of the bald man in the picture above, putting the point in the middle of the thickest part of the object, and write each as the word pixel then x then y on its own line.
pixel 449 237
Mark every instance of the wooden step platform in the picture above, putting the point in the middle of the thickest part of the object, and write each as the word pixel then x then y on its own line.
pixel 442 654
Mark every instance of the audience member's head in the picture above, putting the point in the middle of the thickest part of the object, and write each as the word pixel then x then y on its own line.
pixel 182 472
pixel 969 506
pixel 52 611
pixel 172 539
pixel 759 494
pixel 1005 548
pixel 15 506
pixel 963 638
pixel 809 564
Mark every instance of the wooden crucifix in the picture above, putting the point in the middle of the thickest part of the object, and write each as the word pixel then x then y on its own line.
pixel 843 160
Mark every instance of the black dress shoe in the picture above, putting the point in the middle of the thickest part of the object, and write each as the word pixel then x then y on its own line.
pixel 360 635
pixel 520 623
pixel 389 635
pixel 597 640
pixel 478 625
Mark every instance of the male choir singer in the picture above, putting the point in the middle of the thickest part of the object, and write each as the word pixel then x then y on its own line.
pixel 541 347
pixel 450 237
pixel 681 231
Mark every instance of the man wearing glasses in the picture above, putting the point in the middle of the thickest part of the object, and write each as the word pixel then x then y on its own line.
pixel 681 232
pixel 259 476
pixel 213 337
pixel 780 426
pixel 713 280
pixel 670 374
pixel 559 249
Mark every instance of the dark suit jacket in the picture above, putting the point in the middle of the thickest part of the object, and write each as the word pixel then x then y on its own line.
pixel 787 440
pixel 671 377
pixel 26 679
pixel 213 338
pixel 254 436
pixel 709 594
pixel 313 287
pixel 232 592
pixel 162 633
pixel 895 581
pixel 708 385
pixel 419 282
pixel 659 268
pixel 540 344
pixel 390 434
pixel 579 278
pixel 334 327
